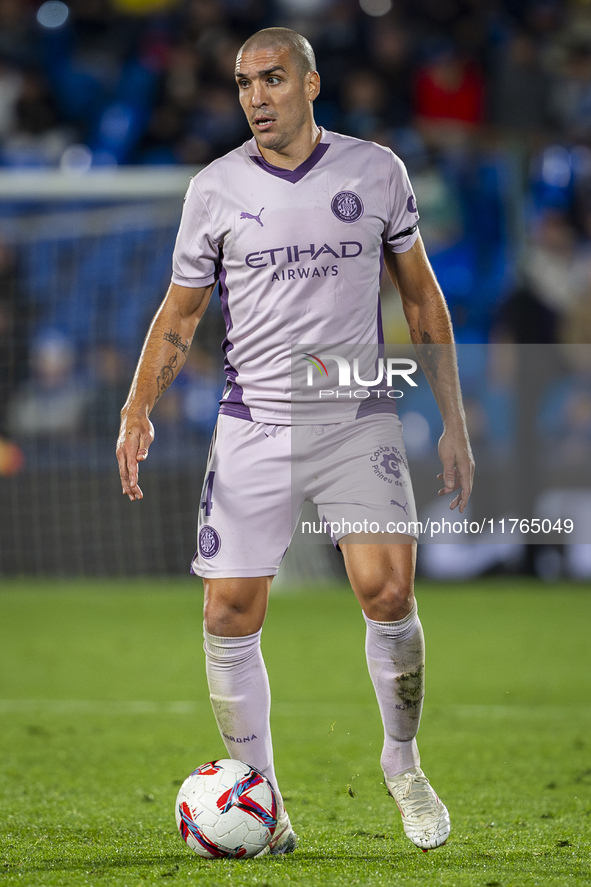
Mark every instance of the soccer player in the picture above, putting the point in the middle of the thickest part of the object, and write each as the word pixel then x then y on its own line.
pixel 293 226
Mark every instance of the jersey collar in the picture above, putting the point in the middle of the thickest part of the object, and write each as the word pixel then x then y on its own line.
pixel 290 175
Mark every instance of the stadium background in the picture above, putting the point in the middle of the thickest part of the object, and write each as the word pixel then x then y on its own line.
pixel 106 109
pixel 108 106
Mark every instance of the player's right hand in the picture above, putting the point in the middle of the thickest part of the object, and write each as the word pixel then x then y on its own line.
pixel 132 448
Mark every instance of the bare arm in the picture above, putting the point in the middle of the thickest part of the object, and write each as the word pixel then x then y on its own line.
pixel 165 349
pixel 430 328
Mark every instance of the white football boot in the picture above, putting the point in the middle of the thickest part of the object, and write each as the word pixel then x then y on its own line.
pixel 425 818
pixel 284 838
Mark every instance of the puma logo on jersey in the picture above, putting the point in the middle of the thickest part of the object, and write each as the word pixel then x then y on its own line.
pixel 256 218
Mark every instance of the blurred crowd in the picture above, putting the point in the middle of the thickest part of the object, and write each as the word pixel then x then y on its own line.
pixel 151 81
pixel 488 102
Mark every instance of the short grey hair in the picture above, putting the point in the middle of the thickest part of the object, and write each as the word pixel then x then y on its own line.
pixel 272 38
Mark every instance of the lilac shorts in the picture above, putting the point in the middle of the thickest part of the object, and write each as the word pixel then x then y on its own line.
pixel 258 477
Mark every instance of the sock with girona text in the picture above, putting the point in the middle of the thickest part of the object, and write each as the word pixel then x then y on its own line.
pixel 241 699
pixel 396 660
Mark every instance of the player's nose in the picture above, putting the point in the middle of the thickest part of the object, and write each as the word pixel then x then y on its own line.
pixel 256 95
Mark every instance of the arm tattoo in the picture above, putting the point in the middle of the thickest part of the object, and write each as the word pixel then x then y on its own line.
pixel 429 353
pixel 430 357
pixel 166 375
pixel 176 340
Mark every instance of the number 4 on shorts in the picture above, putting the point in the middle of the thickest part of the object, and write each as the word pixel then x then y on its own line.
pixel 207 499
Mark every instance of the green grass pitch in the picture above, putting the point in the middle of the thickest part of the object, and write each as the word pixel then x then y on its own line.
pixel 104 711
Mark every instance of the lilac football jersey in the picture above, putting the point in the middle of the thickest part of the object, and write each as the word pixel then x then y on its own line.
pixel 297 254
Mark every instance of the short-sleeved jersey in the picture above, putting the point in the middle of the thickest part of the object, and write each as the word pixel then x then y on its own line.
pixel 297 254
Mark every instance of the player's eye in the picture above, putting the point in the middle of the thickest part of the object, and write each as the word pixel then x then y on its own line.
pixel 273 80
pixel 243 84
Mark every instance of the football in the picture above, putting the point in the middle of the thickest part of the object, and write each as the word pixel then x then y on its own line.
pixel 226 810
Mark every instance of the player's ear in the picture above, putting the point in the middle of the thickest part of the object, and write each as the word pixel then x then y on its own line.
pixel 313 85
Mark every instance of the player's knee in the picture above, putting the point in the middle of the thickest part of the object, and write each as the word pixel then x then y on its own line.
pixel 217 620
pixel 226 618
pixel 234 609
pixel 387 600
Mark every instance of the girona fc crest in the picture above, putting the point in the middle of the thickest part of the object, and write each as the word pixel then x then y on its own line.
pixel 347 206
pixel 209 541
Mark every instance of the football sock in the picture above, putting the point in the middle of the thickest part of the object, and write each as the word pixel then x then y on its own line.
pixel 396 660
pixel 241 699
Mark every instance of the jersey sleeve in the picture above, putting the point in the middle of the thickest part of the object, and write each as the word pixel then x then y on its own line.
pixel 196 253
pixel 403 218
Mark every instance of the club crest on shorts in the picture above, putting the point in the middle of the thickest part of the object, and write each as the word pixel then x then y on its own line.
pixel 347 206
pixel 209 542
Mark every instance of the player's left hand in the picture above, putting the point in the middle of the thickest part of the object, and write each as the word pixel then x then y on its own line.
pixel 457 460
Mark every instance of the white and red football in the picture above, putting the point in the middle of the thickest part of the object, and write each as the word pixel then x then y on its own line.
pixel 226 810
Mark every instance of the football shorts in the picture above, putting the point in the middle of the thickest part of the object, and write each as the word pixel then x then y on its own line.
pixel 258 477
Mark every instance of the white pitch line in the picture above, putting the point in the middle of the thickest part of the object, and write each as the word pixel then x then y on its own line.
pixel 150 707
pixel 98 706
pixel 192 707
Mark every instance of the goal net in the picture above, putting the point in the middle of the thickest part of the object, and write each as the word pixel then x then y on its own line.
pixel 84 263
